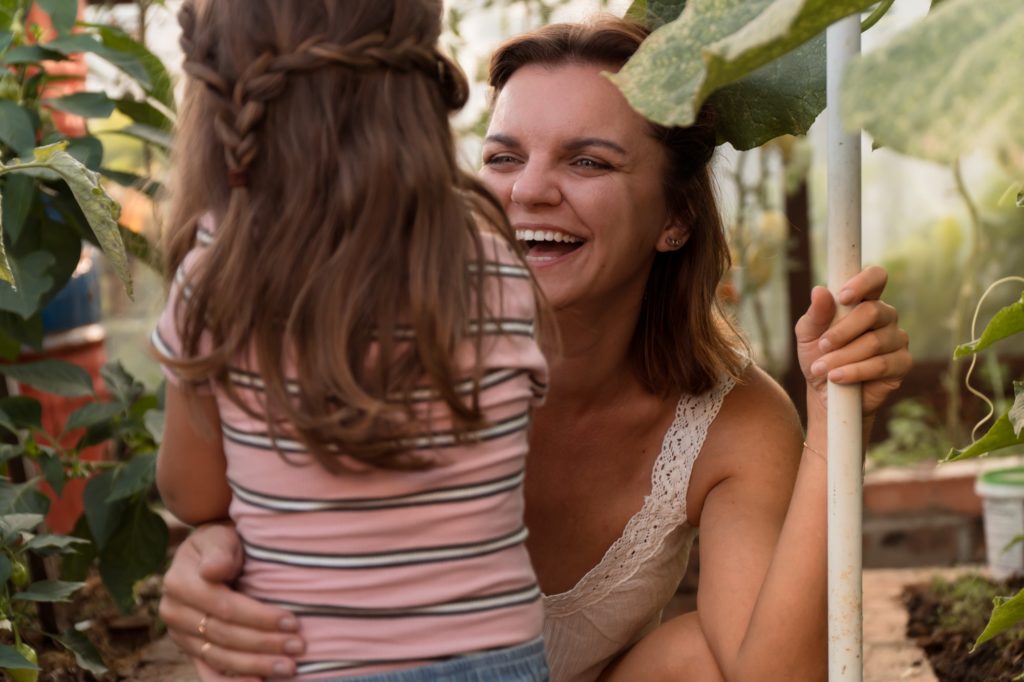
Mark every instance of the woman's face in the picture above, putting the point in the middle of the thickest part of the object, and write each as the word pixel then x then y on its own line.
pixel 581 181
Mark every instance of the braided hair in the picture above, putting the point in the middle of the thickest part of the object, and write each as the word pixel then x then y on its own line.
pixel 318 138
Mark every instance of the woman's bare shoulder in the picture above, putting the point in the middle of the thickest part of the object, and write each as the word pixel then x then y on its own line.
pixel 755 399
pixel 757 432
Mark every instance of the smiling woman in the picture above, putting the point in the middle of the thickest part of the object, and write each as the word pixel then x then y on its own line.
pixel 655 422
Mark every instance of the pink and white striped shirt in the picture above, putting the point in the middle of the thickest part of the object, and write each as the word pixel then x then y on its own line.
pixel 391 569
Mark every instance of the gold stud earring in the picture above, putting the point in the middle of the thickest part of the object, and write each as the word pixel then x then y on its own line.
pixel 673 242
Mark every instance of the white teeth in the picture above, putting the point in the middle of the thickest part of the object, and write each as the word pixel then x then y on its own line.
pixel 546 236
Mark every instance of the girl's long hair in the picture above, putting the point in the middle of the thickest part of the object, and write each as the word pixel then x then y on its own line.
pixel 316 134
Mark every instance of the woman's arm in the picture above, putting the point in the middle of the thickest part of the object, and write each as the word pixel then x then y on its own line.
pixel 191 470
pixel 247 637
pixel 762 593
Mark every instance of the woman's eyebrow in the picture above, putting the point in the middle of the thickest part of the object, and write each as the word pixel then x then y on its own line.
pixel 578 143
pixel 502 139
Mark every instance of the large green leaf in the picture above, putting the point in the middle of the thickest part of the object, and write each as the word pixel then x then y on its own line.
pixel 83 42
pixel 1006 322
pixel 715 43
pixel 1016 413
pixel 63 13
pixel 53 470
pixel 999 436
pixel 121 384
pixel 87 150
pixel 11 659
pixel 22 331
pixel 784 95
pixel 136 550
pixel 20 412
pixel 655 13
pixel 91 414
pixel 135 477
pixel 12 525
pixel 52 376
pixel 104 517
pixel 86 104
pixel 30 54
pixel 45 545
pixel 34 281
pixel 19 193
pixel 16 128
pixel 160 86
pixel 86 655
pixel 1006 614
pixel 945 86
pixel 22 498
pixel 144 113
pixel 100 210
pixel 50 591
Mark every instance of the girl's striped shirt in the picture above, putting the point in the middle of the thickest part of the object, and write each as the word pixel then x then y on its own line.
pixel 389 569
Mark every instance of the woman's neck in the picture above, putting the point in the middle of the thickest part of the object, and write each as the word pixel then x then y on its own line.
pixel 592 365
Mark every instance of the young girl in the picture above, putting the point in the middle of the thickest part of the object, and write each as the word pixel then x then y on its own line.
pixel 349 343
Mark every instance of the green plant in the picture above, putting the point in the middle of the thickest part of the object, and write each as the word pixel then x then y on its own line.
pixel 118 530
pixel 52 200
pixel 915 435
pixel 19 540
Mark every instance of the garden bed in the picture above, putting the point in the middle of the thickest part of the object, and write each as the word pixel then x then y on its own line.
pixel 946 617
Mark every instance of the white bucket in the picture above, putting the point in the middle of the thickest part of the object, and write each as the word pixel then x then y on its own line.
pixel 1002 491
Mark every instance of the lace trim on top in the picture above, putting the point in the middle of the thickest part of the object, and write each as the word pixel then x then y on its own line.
pixel 663 510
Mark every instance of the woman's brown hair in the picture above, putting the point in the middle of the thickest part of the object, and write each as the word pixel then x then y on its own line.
pixel 316 134
pixel 684 339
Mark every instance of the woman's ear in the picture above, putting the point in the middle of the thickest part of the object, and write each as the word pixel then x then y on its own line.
pixel 674 236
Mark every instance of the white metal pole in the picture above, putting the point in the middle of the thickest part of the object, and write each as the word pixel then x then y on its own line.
pixel 845 470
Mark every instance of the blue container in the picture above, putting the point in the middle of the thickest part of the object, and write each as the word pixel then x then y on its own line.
pixel 78 303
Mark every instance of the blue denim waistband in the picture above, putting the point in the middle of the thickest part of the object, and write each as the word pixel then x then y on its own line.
pixel 522 663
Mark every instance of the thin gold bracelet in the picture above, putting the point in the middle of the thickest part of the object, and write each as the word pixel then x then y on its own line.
pixel 808 447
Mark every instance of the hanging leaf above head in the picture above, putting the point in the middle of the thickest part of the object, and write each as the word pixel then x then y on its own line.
pixel 943 87
pixel 655 13
pixel 719 43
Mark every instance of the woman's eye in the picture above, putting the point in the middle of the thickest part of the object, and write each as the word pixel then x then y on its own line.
pixel 499 160
pixel 591 164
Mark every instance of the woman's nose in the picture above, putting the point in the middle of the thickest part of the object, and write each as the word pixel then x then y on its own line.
pixel 535 187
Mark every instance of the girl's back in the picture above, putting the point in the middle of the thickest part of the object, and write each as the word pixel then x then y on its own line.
pixel 371 354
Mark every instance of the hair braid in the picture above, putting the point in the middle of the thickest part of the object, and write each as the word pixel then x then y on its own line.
pixel 242 105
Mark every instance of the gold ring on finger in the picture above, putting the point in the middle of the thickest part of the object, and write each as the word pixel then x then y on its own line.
pixel 205 649
pixel 201 628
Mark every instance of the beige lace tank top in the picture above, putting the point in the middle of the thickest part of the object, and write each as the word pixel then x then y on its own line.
pixel 621 598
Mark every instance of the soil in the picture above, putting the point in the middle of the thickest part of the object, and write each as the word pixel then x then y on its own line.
pixel 121 639
pixel 946 617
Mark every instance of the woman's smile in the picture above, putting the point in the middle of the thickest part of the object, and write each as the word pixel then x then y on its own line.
pixel 546 244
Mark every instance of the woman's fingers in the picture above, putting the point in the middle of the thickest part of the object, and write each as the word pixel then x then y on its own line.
pixel 888 366
pixel 813 323
pixel 865 317
pixel 866 285
pixel 229 664
pixel 239 635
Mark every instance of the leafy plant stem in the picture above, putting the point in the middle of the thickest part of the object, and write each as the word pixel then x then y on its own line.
pixel 876 14
pixel 974 359
pixel 967 294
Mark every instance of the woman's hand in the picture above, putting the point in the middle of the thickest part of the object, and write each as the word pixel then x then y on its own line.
pixel 866 345
pixel 241 636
